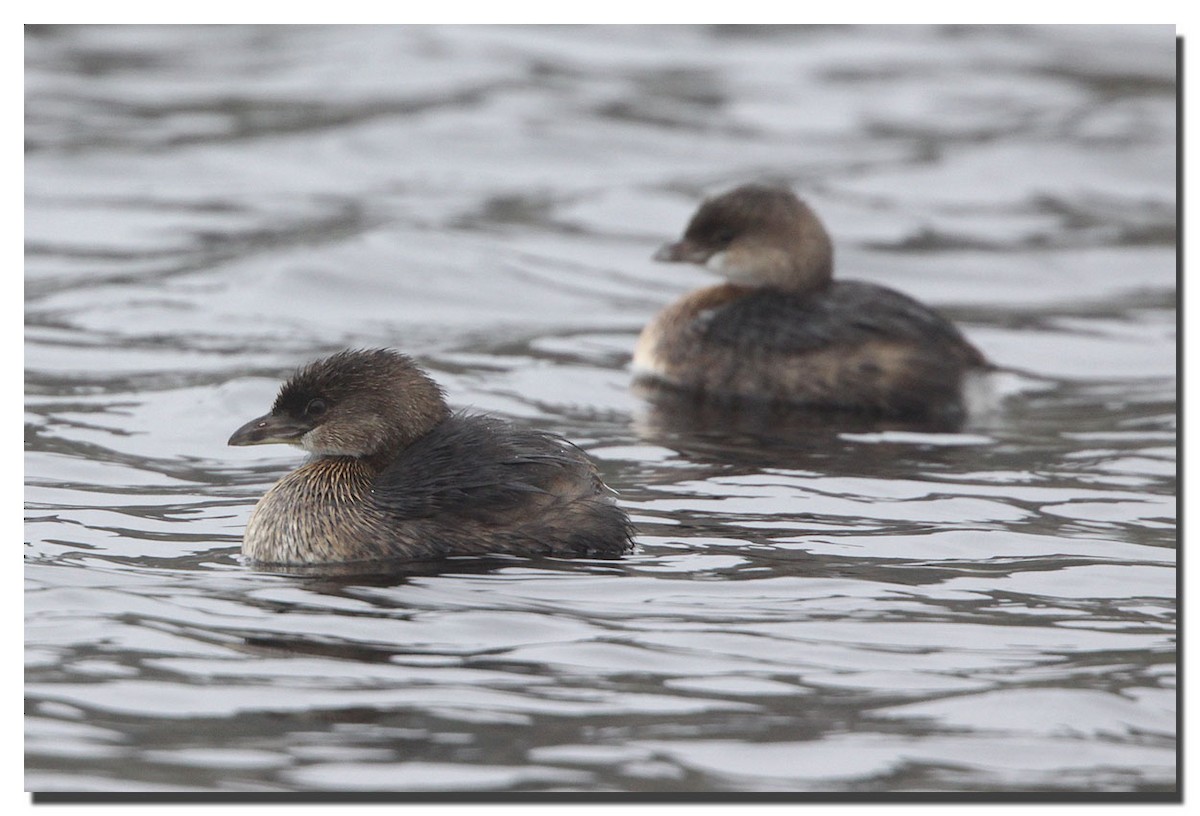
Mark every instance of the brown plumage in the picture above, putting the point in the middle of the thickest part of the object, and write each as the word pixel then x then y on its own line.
pixel 394 475
pixel 783 331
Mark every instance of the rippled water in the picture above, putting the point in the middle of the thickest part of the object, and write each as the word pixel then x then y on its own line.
pixel 838 608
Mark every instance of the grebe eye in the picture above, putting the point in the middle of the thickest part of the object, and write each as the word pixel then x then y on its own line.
pixel 725 236
pixel 315 407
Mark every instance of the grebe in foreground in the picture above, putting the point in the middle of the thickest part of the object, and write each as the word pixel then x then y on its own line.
pixel 395 475
pixel 782 331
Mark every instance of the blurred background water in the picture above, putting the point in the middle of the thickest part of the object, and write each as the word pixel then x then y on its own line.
pixel 842 608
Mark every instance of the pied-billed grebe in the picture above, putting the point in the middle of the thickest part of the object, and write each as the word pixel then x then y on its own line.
pixel 783 331
pixel 395 475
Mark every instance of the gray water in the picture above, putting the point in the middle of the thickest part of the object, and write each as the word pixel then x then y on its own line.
pixel 838 608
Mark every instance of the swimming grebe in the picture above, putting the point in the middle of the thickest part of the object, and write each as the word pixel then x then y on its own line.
pixel 783 331
pixel 395 475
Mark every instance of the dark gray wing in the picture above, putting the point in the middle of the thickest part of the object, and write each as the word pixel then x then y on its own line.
pixel 473 467
pixel 847 314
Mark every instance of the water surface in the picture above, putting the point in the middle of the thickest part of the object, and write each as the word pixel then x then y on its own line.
pixel 811 607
